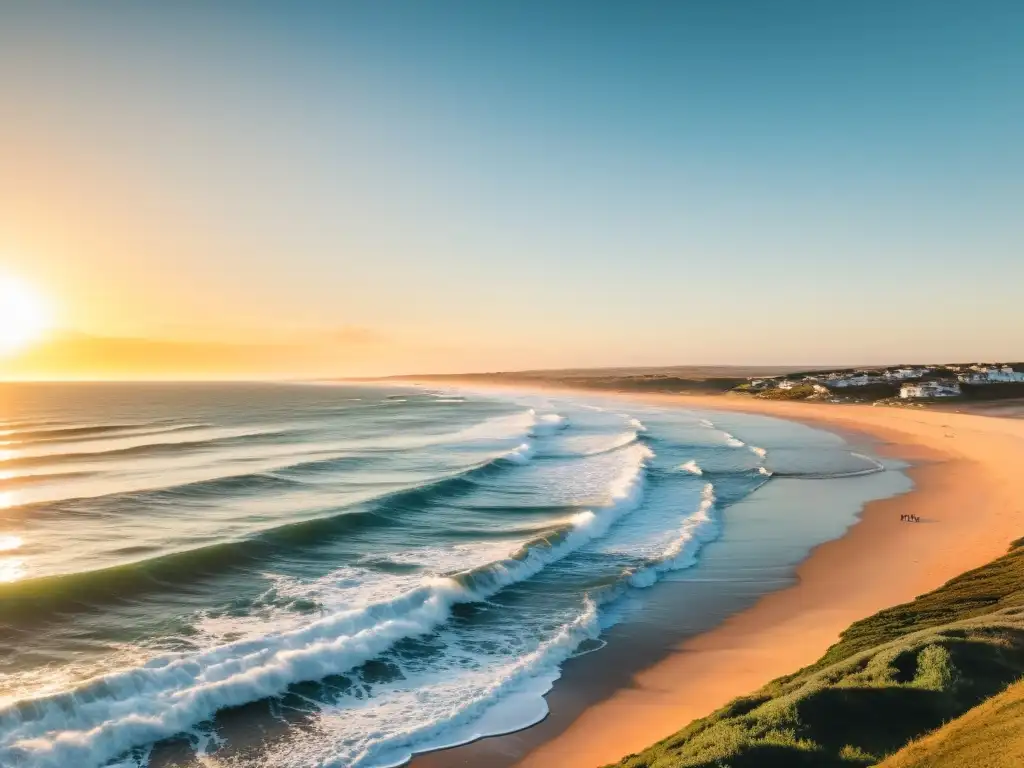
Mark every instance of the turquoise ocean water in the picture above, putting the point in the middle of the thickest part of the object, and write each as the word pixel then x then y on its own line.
pixel 304 575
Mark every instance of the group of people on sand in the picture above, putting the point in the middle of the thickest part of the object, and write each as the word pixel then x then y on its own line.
pixel 910 519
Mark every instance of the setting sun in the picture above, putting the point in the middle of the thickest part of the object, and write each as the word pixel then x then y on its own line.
pixel 23 314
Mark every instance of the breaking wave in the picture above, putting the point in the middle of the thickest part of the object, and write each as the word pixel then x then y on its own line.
pixel 36 597
pixel 521 454
pixel 106 716
pixel 696 530
pixel 733 441
pixel 548 423
pixel 530 676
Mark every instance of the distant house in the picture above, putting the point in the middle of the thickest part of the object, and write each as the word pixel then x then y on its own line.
pixel 930 389
pixel 993 375
pixel 857 380
pixel 906 373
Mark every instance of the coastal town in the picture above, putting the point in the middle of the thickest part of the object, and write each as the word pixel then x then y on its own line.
pixel 894 384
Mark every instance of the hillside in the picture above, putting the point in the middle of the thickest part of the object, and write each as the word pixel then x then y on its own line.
pixel 968 741
pixel 704 380
pixel 757 381
pixel 892 678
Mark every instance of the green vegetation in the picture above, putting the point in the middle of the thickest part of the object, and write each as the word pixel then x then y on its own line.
pixel 799 392
pixel 868 392
pixel 657 383
pixel 704 380
pixel 891 678
pixel 990 735
pixel 719 380
pixel 993 587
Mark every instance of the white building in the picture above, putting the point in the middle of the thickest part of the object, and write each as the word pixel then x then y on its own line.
pixel 762 383
pixel 787 384
pixel 930 389
pixel 1003 375
pixel 857 380
pixel 906 373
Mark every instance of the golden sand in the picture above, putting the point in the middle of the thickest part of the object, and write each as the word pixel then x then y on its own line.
pixel 969 493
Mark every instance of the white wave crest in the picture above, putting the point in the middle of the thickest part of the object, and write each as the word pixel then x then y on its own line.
pixel 548 424
pixel 764 471
pixel 100 719
pixel 759 451
pixel 692 467
pixel 733 441
pixel 707 423
pixel 530 677
pixel 696 530
pixel 521 454
pixel 637 425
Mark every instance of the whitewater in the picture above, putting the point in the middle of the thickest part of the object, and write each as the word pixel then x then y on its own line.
pixel 378 570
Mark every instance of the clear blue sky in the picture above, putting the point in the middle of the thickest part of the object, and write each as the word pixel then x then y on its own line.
pixel 524 184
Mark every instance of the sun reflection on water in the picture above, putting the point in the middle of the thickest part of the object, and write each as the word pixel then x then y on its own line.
pixel 11 568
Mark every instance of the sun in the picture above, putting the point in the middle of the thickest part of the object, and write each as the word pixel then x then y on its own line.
pixel 23 315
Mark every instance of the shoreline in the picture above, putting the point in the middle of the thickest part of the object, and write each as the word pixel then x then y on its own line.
pixel 970 503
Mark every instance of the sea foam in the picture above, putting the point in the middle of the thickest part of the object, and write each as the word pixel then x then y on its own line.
pixel 697 529
pixel 511 701
pixel 732 440
pixel 548 423
pixel 521 454
pixel 100 719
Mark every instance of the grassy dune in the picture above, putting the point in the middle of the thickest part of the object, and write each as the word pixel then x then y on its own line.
pixel 991 736
pixel 892 678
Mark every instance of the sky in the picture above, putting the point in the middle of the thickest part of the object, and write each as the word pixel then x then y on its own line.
pixel 247 188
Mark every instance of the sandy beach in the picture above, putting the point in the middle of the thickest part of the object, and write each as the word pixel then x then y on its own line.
pixel 969 494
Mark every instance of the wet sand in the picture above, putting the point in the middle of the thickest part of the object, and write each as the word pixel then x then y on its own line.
pixel 969 494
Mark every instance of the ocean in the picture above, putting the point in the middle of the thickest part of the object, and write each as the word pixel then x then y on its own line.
pixel 293 575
